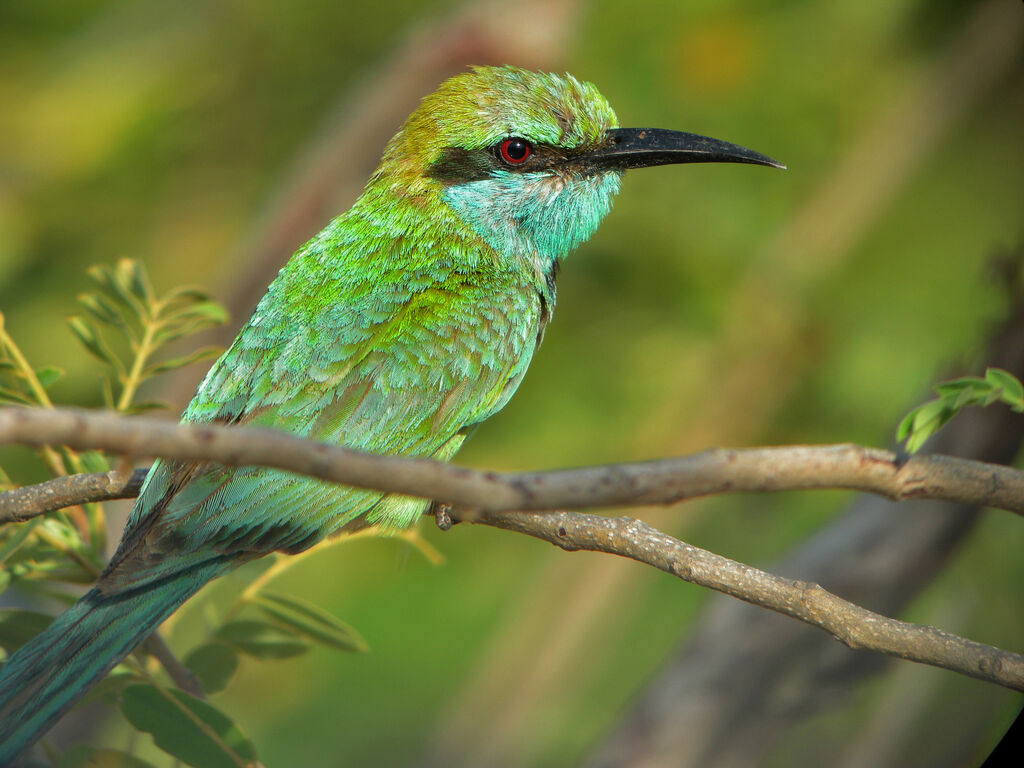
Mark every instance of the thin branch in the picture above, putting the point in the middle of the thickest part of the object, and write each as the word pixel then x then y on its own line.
pixel 181 676
pixel 850 624
pixel 21 504
pixel 663 481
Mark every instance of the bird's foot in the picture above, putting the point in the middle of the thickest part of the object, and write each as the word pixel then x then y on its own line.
pixel 442 515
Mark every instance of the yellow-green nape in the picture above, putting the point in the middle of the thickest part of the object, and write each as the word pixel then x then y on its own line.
pixel 478 108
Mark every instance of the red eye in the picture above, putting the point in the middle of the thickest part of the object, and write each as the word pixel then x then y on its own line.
pixel 515 151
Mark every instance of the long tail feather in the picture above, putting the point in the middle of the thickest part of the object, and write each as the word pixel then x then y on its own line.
pixel 47 675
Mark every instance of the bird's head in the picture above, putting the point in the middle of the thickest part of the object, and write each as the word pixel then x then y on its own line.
pixel 531 160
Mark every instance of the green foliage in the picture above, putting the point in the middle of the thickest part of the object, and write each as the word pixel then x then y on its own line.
pixel 192 730
pixel 126 326
pixel 214 664
pixel 310 621
pixel 998 386
pixel 125 306
pixel 20 384
pixel 261 640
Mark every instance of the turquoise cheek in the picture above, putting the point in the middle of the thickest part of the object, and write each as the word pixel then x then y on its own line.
pixel 518 213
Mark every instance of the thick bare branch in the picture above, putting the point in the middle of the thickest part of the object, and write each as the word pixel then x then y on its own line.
pixel 663 481
pixel 515 502
pixel 855 626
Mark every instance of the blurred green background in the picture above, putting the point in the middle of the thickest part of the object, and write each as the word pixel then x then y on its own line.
pixel 718 305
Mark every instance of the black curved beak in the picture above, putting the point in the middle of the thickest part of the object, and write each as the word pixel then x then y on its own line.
pixel 643 147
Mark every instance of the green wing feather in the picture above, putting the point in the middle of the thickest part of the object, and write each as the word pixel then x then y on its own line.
pixel 401 356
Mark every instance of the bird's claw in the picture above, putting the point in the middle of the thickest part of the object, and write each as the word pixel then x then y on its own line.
pixel 442 515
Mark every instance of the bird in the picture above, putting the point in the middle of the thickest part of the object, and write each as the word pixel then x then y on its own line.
pixel 405 323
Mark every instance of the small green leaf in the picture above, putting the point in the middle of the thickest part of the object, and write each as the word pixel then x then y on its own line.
pixel 111 282
pixel 18 538
pixel 969 396
pixel 311 621
pixel 92 341
pixel 1010 383
pixel 179 733
pixel 187 294
pixel 94 461
pixel 262 640
pixel 182 321
pixel 85 332
pixel 101 309
pixel 954 386
pixel 994 395
pixel 133 276
pixel 923 422
pixel 84 756
pixel 916 440
pixel 178 362
pixel 172 331
pixel 103 276
pixel 214 664
pixel 906 426
pixel 113 683
pixel 210 312
pixel 58 527
pixel 49 375
pixel 928 414
pixel 18 627
pixel 5 580
pixel 10 396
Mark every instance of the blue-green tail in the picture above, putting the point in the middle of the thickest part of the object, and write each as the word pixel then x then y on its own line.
pixel 47 675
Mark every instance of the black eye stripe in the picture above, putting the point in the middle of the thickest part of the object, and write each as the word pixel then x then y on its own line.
pixel 457 165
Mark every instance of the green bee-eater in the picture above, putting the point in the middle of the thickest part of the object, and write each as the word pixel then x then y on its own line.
pixel 406 322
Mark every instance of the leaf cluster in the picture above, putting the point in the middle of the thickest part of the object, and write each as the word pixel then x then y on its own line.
pixel 997 386
pixel 126 326
pixel 124 306
pixel 192 730
pixel 21 384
